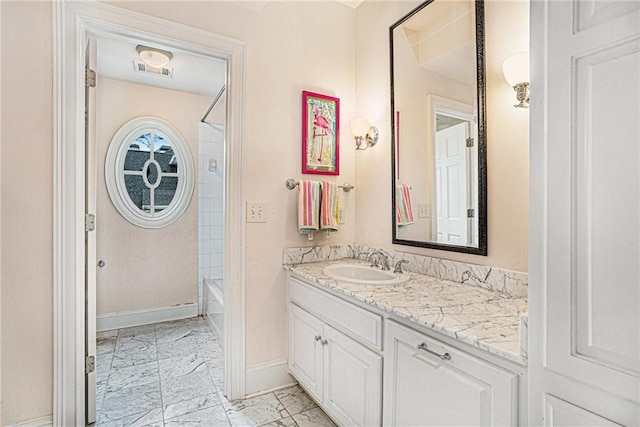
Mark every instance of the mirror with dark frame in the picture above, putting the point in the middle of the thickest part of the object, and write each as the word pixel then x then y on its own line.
pixel 439 170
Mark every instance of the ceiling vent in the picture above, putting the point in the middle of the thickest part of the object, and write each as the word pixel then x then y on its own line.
pixel 144 68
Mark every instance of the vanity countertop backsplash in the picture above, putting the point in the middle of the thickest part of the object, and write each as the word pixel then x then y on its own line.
pixel 479 305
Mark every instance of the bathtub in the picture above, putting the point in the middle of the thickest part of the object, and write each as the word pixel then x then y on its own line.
pixel 213 303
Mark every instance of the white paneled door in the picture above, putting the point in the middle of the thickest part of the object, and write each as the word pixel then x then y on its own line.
pixel 584 265
pixel 452 178
pixel 91 58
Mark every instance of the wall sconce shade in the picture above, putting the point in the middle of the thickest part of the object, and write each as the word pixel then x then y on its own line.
pixel 364 134
pixel 516 72
pixel 154 57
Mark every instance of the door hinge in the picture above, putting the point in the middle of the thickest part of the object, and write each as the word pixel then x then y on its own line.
pixel 470 142
pixel 471 213
pixel 89 364
pixel 89 77
pixel 89 222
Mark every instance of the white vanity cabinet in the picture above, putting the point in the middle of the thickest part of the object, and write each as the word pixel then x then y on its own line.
pixel 306 353
pixel 429 383
pixel 336 352
pixel 344 376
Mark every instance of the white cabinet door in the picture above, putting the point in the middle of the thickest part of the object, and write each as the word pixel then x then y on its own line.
pixel 584 248
pixel 422 389
pixel 353 381
pixel 305 350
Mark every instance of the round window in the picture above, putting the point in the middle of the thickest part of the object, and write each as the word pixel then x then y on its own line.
pixel 149 172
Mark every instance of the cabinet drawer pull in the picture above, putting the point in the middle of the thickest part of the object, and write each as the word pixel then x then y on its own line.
pixel 317 338
pixel 423 346
pixel 324 342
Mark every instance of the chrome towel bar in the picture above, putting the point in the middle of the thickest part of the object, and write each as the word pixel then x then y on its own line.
pixel 291 184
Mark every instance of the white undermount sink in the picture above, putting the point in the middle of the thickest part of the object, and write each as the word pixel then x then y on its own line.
pixel 363 275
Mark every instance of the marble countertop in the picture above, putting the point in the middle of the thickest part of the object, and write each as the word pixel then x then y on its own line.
pixel 486 319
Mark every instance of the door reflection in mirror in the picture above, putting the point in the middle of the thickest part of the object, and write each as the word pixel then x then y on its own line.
pixel 455 168
pixel 437 69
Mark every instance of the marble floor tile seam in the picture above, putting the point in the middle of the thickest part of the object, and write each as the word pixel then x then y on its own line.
pixel 208 349
pixel 296 403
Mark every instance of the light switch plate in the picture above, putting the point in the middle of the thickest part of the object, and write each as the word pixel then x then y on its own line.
pixel 423 210
pixel 256 212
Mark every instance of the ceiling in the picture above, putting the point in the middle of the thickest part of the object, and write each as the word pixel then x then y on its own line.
pixel 190 73
pixel 259 5
pixel 443 39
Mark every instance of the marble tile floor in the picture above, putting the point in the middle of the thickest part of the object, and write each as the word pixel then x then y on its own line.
pixel 170 374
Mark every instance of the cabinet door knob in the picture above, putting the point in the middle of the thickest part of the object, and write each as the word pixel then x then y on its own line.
pixel 423 346
pixel 324 342
pixel 101 263
pixel 317 337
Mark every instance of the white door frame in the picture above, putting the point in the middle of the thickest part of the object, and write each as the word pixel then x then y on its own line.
pixel 462 111
pixel 73 23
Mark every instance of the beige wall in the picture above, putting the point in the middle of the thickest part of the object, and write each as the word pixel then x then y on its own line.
pixel 507 30
pixel 27 213
pixel 0 219
pixel 145 268
pixel 291 46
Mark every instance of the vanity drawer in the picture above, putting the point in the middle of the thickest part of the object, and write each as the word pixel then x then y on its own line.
pixel 362 324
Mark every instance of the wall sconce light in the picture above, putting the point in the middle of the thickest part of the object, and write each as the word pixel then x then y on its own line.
pixel 154 57
pixel 363 133
pixel 516 71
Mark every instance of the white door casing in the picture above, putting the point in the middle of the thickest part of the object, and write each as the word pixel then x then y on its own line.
pixel 74 23
pixel 439 105
pixel 584 249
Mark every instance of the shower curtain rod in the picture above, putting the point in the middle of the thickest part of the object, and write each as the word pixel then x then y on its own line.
pixel 215 101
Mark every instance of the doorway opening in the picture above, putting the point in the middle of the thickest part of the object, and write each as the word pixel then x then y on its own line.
pixel 155 250
pixel 75 24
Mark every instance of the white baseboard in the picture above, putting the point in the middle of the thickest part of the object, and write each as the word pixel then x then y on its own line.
pixel 127 319
pixel 38 422
pixel 266 377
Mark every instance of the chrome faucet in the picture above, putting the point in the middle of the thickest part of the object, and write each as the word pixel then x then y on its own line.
pixel 398 268
pixel 380 257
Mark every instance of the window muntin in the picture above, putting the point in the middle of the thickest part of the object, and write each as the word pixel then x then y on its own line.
pixel 149 172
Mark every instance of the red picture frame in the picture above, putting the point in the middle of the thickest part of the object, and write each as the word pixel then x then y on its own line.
pixel 320 134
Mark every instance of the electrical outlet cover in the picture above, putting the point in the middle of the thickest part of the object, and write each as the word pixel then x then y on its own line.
pixel 423 210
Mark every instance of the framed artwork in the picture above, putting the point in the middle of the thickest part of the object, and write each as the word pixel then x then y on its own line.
pixel 320 134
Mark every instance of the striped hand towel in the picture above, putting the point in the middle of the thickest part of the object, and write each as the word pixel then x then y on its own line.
pixel 308 206
pixel 404 210
pixel 329 207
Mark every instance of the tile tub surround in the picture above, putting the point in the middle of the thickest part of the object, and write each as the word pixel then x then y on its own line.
pixel 510 282
pixel 170 374
pixel 485 319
